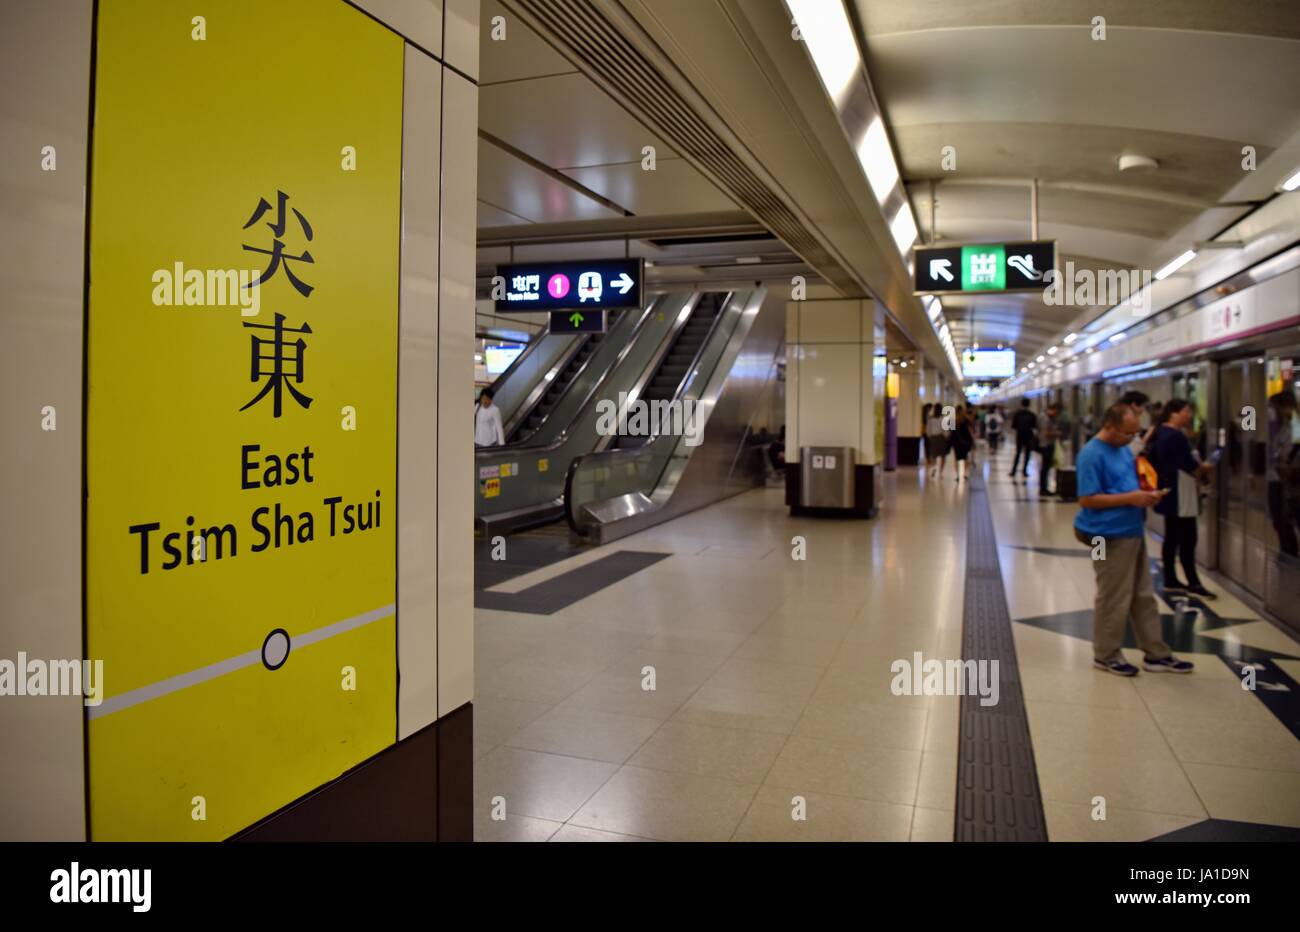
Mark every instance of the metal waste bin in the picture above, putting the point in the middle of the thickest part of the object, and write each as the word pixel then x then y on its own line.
pixel 826 477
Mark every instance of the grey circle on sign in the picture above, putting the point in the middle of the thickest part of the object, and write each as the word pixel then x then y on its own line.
pixel 275 649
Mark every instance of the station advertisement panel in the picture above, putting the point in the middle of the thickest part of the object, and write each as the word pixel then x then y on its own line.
pixel 245 207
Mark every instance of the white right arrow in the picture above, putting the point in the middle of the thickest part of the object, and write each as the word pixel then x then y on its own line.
pixel 623 283
pixel 939 269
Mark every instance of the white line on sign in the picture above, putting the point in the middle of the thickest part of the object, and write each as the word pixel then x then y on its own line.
pixel 231 664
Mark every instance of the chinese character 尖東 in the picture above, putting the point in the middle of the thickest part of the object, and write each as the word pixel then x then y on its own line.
pixel 283 367
pixel 276 252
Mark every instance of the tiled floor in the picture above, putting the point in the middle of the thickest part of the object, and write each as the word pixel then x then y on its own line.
pixel 733 692
pixel 1163 752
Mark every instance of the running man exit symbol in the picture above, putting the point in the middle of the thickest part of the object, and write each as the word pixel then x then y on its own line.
pixel 983 267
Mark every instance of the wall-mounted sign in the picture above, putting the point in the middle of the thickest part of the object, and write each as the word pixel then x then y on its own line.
pixel 577 321
pixel 240 458
pixel 988 364
pixel 988 267
pixel 552 286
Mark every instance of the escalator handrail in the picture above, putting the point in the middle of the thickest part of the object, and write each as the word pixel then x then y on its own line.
pixel 691 372
pixel 613 455
pixel 538 392
pixel 534 342
pixel 659 357
pixel 563 436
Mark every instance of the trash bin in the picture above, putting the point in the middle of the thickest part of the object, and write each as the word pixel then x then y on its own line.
pixel 826 477
pixel 1067 486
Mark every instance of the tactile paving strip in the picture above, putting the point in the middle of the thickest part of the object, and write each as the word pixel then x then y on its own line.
pixel 998 798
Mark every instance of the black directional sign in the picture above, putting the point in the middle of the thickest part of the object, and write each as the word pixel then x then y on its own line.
pixel 552 286
pixel 577 321
pixel 984 267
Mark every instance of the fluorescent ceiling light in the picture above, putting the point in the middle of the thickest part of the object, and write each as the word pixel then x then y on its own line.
pixel 877 161
pixel 1070 338
pixel 1293 182
pixel 903 226
pixel 1175 265
pixel 1117 337
pixel 826 29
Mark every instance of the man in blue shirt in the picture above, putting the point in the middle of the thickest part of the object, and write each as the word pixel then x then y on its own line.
pixel 1111 514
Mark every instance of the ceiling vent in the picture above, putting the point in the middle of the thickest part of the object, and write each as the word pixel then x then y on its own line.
pixel 584 32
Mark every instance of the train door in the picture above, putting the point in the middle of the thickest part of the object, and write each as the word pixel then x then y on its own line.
pixel 1281 427
pixel 1243 521
pixel 1192 384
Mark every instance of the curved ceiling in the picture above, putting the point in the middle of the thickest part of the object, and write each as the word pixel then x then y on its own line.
pixel 1023 89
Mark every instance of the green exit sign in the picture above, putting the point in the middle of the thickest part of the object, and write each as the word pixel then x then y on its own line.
pixel 983 268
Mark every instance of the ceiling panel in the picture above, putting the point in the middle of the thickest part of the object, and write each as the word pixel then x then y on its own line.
pixel 1258 17
pixel 1197 169
pixel 674 187
pixel 1240 88
pixel 513 185
pixel 1002 203
pixel 566 122
pixel 521 54
pixel 492 216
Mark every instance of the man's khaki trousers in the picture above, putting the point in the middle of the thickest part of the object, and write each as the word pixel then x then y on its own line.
pixel 1124 590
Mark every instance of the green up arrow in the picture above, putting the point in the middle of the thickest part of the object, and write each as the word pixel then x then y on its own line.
pixel 575 318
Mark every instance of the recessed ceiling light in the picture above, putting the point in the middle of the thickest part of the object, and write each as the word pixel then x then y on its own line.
pixel 1175 264
pixel 828 34
pixel 876 159
pixel 1293 182
pixel 1131 162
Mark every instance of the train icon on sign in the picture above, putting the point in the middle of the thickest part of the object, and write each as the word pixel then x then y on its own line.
pixel 590 285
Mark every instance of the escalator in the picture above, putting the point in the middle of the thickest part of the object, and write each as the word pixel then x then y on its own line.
pixel 528 422
pixel 623 487
pixel 651 354
pixel 669 376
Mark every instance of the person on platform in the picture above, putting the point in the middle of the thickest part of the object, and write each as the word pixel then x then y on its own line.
pixel 1181 474
pixel 488 431
pixel 1111 523
pixel 1024 424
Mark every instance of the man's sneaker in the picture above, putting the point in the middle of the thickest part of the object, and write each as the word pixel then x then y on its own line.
pixel 1168 664
pixel 1175 587
pixel 1118 667
pixel 1200 591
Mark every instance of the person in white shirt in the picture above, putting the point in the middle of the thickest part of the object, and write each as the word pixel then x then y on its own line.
pixel 488 431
